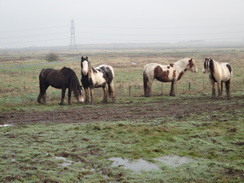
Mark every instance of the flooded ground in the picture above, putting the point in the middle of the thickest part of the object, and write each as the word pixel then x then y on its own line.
pixel 5 125
pixel 135 166
pixel 65 161
pixel 142 165
pixel 174 161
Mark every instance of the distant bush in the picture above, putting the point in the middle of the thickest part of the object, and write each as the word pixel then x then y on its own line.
pixel 52 57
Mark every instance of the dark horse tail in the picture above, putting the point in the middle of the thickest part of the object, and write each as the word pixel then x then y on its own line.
pixel 229 67
pixel 74 84
pixel 42 80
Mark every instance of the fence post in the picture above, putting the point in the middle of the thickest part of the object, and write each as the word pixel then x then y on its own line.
pixel 129 91
pixel 162 89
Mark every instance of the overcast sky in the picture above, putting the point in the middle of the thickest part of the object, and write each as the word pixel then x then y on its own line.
pixel 25 23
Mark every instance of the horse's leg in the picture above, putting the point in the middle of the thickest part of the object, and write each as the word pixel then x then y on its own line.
pixel 62 96
pixel 219 85
pixel 39 98
pixel 86 95
pixel 105 94
pixel 227 87
pixel 69 96
pixel 172 90
pixel 213 88
pixel 148 89
pixel 42 95
pixel 91 93
pixel 112 91
pixel 221 89
pixel 44 101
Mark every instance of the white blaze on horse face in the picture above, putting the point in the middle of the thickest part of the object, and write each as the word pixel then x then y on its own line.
pixel 81 98
pixel 85 67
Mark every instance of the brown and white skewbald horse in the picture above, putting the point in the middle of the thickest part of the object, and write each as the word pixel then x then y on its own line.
pixel 166 73
pixel 219 73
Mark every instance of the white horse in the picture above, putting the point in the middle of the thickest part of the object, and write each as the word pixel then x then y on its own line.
pixel 166 73
pixel 101 76
pixel 219 73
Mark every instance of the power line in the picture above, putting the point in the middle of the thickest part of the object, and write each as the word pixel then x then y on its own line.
pixel 33 29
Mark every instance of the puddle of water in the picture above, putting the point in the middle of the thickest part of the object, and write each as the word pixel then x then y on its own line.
pixel 141 165
pixel 5 125
pixel 174 161
pixel 66 162
pixel 136 166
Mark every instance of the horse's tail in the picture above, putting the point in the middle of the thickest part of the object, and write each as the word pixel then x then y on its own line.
pixel 42 87
pixel 229 67
pixel 41 79
pixel 73 85
pixel 111 89
pixel 145 83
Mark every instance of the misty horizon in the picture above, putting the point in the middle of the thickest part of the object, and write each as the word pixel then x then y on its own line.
pixel 48 23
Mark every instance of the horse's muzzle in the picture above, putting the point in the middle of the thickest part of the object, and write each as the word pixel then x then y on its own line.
pixel 81 99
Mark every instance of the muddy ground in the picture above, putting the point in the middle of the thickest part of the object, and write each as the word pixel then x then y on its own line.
pixel 175 109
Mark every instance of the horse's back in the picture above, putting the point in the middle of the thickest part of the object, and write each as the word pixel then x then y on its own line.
pixel 106 72
pixel 57 78
pixel 226 71
pixel 67 71
pixel 106 68
pixel 45 73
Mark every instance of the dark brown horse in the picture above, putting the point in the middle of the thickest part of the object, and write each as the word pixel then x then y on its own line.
pixel 60 79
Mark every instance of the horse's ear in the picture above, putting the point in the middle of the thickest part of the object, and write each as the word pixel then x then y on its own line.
pixel 82 58
pixel 87 58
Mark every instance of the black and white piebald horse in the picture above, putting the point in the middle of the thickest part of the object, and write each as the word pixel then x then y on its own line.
pixel 166 73
pixel 219 73
pixel 100 76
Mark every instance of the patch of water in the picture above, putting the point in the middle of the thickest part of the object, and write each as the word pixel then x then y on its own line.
pixel 66 162
pixel 5 125
pixel 174 161
pixel 136 166
pixel 142 165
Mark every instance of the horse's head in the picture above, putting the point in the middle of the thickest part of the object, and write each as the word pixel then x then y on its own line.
pixel 192 65
pixel 206 65
pixel 79 93
pixel 84 65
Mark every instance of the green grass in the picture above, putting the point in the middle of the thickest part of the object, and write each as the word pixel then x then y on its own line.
pixel 19 78
pixel 28 151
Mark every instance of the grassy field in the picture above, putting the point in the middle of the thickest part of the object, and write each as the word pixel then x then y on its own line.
pixel 19 72
pixel 211 140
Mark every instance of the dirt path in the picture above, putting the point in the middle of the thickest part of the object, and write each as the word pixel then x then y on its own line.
pixel 177 109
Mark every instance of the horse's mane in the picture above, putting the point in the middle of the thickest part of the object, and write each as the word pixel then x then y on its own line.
pixel 211 67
